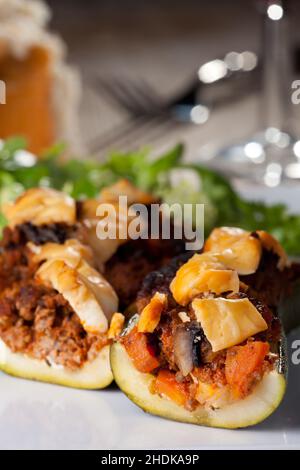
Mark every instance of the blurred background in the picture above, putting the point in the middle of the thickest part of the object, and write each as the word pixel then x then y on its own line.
pixel 163 43
pixel 216 75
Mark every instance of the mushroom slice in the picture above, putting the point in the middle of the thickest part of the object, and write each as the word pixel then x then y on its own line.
pixel 41 206
pixel 203 273
pixel 88 293
pixel 187 339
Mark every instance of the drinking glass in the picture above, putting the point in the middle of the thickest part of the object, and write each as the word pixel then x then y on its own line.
pixel 272 154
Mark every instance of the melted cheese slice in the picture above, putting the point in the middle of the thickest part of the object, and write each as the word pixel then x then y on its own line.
pixel 41 206
pixel 116 325
pixel 100 287
pixel 151 314
pixel 71 252
pixel 116 218
pixel 203 273
pixel 118 221
pixel 89 294
pixel 227 322
pixel 123 187
pixel 237 249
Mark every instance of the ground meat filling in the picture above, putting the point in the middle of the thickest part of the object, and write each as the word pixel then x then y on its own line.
pixel 207 367
pixel 37 234
pixel 36 320
pixel 159 281
pixel 134 260
pixel 268 283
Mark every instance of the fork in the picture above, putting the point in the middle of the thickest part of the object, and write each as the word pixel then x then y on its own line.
pixel 134 133
pixel 139 98
pixel 150 114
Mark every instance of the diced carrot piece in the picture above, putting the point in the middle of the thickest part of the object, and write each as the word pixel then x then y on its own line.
pixel 141 353
pixel 243 366
pixel 166 384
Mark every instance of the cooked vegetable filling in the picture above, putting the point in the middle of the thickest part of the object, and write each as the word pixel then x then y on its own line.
pixel 35 319
pixel 204 345
pixel 186 369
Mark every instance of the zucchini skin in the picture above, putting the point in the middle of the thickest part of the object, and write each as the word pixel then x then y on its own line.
pixel 248 412
pixel 94 375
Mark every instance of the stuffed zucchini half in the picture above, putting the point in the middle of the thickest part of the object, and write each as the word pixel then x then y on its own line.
pixel 55 306
pixel 205 347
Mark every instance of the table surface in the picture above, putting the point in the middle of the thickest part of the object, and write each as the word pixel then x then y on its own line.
pixel 42 416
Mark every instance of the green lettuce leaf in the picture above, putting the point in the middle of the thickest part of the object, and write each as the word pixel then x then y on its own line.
pixel 83 178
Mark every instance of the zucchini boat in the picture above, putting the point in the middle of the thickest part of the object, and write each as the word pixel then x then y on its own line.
pixel 204 347
pixel 55 306
pixel 60 283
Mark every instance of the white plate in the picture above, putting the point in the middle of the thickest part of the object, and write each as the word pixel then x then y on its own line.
pixel 42 416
